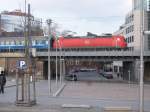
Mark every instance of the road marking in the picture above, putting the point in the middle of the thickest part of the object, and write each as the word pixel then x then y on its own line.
pixel 118 109
pixel 75 106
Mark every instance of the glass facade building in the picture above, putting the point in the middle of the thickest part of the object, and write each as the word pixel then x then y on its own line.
pixel 136 4
pixel 13 24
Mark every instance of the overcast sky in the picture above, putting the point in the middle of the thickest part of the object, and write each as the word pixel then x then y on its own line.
pixel 81 16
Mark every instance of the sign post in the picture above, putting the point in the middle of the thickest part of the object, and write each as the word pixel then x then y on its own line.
pixel 49 21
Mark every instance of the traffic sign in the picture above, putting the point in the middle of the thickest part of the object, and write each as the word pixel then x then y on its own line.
pixel 21 64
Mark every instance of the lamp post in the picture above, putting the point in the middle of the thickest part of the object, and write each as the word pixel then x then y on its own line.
pixel 141 59
pixel 56 63
pixel 60 62
pixel 49 21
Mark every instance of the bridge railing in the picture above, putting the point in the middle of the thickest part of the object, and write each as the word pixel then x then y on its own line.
pixel 79 52
pixel 90 52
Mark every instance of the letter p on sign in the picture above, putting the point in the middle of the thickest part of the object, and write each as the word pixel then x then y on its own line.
pixel 22 64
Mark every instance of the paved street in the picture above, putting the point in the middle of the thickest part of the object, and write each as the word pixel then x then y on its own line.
pixel 45 103
pixel 95 76
pixel 95 94
pixel 104 90
pixel 75 56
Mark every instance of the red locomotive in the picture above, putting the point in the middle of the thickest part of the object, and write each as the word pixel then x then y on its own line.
pixel 91 42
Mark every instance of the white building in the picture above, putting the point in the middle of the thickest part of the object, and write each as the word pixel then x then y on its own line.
pixel 131 28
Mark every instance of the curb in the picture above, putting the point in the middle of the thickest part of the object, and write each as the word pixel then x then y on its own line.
pixel 75 106
pixel 10 86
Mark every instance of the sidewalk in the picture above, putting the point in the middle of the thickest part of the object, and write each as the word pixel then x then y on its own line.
pixel 10 82
pixel 7 102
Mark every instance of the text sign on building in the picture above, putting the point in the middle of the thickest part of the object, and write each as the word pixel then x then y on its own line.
pixel 21 64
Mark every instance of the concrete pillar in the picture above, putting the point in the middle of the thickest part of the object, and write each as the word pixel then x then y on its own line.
pixel 53 70
pixel 137 70
pixel 128 71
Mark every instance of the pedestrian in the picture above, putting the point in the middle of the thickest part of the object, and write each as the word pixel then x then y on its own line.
pixel 2 82
pixel 75 77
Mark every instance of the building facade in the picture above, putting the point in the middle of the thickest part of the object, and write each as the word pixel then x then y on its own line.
pixel 131 29
pixel 13 24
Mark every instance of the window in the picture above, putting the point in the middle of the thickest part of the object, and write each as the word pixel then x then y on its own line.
pixel 129 19
pixel 33 42
pixel 132 39
pixel 22 42
pixel 132 28
pixel 46 42
pixel 2 42
pixel 12 42
pixel 127 40
pixel 43 41
pixel 36 42
pixel 18 42
pixel 7 43
pixel 129 29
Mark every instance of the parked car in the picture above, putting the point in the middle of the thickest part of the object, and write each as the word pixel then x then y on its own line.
pixel 71 77
pixel 87 69
pixel 107 75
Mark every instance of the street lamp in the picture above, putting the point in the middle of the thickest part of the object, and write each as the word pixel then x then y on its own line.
pixel 60 65
pixel 141 59
pixel 56 63
pixel 61 60
pixel 49 21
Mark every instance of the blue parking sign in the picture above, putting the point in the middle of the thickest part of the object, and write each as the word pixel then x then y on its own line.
pixel 21 64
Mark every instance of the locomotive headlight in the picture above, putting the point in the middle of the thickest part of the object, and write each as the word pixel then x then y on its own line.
pixel 118 39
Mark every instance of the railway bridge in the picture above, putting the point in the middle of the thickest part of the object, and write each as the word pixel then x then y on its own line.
pixel 72 57
pixel 130 59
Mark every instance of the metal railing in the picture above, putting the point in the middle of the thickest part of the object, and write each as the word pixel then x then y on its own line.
pixel 80 52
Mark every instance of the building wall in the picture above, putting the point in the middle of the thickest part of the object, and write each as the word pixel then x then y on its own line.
pixel 132 29
pixel 137 31
pixel 2 62
pixel 136 4
pixel 10 65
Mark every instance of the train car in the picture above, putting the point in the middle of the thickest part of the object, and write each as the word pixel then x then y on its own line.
pixel 18 44
pixel 87 42
pixel 41 46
